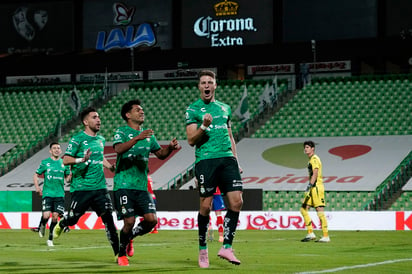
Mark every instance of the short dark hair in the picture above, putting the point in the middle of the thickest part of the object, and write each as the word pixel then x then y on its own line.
pixel 53 143
pixel 207 73
pixel 86 112
pixel 309 143
pixel 128 106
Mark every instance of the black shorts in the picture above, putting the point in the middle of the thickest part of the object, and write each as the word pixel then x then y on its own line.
pixel 221 172
pixel 53 204
pixel 131 202
pixel 98 200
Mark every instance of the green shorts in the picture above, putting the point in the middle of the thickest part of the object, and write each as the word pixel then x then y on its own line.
pixel 132 202
pixel 221 172
pixel 98 200
pixel 53 204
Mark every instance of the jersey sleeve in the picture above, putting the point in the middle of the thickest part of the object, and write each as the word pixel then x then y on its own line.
pixel 191 115
pixel 42 168
pixel 118 137
pixel 72 148
pixel 315 163
pixel 154 145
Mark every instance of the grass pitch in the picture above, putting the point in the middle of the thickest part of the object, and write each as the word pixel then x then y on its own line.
pixel 88 251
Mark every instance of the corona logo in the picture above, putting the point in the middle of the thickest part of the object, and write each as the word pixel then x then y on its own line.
pixel 226 8
pixel 219 30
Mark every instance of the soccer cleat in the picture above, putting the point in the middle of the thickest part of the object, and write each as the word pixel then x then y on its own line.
pixel 66 229
pixel 227 254
pixel 123 261
pixel 309 237
pixel 50 243
pixel 57 231
pixel 203 258
pixel 324 240
pixel 34 229
pixel 221 239
pixel 42 230
pixel 130 249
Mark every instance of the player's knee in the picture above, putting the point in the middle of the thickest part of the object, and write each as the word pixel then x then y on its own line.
pixel 153 223
pixel 151 220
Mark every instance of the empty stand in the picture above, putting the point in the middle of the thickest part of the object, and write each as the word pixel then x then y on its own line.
pixel 30 116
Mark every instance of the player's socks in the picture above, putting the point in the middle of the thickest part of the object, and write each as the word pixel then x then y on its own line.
pixel 124 241
pixel 307 219
pixel 203 223
pixel 210 230
pixel 324 223
pixel 230 222
pixel 52 225
pixel 42 227
pixel 111 231
pixel 219 223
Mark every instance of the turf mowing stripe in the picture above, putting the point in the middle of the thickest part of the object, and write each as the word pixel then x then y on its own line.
pixel 357 266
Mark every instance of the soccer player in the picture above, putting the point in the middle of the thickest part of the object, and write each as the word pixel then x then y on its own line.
pixel 150 189
pixel 53 189
pixel 88 188
pixel 133 145
pixel 208 128
pixel 218 205
pixel 314 195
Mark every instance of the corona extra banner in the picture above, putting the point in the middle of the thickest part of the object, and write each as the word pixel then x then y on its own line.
pixel 226 23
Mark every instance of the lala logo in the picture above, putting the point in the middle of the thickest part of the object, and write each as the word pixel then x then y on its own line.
pixel 131 37
pixel 122 14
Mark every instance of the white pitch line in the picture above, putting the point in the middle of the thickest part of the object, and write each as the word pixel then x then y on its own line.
pixel 356 266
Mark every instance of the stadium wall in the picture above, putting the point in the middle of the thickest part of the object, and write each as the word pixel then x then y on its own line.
pixel 251 220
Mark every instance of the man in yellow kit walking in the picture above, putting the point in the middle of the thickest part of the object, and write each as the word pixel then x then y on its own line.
pixel 314 195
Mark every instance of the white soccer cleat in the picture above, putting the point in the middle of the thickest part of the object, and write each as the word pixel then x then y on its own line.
pixel 324 240
pixel 309 237
pixel 50 243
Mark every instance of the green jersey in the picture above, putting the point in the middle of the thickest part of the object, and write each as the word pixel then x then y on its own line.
pixel 216 141
pixel 54 172
pixel 88 175
pixel 132 166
